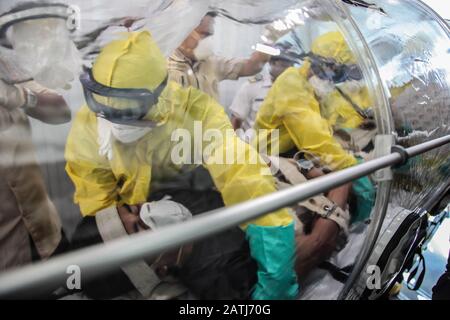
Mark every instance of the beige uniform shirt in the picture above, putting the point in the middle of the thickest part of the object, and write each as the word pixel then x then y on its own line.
pixel 204 75
pixel 25 208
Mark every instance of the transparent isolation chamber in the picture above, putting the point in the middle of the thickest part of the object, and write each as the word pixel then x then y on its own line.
pixel 402 49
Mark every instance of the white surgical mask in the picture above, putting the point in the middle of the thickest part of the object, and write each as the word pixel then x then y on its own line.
pixel 107 130
pixel 128 134
pixel 204 49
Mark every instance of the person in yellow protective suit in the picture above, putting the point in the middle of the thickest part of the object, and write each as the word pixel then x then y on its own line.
pixel 306 103
pixel 338 82
pixel 122 141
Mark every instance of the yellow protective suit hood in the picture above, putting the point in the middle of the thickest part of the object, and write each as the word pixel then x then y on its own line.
pixel 335 108
pixel 133 62
pixel 333 45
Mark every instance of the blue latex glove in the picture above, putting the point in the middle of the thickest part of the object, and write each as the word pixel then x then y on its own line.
pixel 365 197
pixel 273 248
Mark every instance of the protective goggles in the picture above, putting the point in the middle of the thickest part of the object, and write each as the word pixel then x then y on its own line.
pixel 143 99
pixel 329 69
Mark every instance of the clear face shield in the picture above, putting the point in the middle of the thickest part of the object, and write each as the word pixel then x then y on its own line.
pixel 44 49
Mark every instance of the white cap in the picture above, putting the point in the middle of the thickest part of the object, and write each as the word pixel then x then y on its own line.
pixel 163 213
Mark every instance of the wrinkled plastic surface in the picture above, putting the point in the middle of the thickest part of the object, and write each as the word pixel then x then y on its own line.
pixel 43 48
pixel 411 48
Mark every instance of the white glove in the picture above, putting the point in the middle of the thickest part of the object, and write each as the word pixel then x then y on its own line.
pixel 11 97
pixel 163 213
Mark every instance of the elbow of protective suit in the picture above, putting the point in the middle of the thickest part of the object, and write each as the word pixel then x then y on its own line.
pixel 273 248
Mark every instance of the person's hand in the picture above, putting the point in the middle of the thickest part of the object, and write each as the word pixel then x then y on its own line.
pixel 368 124
pixel 10 96
pixel 128 22
pixel 131 219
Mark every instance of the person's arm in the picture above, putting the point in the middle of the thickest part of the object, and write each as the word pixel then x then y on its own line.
pixel 233 69
pixel 38 102
pixel 51 107
pixel 271 237
pixel 5 119
pixel 299 112
pixel 11 98
pixel 254 64
pixel 129 215
pixel 236 122
pixel 316 247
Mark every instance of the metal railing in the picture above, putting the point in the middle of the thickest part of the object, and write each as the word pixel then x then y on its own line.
pixel 100 259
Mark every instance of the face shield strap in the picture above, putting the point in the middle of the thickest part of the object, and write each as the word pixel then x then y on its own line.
pixel 292 58
pixel 145 98
pixel 329 69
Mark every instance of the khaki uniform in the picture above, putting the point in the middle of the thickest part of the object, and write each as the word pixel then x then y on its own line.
pixel 204 75
pixel 25 208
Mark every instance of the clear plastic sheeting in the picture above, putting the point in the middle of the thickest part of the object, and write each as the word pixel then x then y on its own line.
pixel 98 22
pixel 411 48
pixel 360 72
pixel 46 52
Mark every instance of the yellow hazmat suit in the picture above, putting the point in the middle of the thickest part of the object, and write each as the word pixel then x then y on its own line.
pixel 336 108
pixel 292 108
pixel 306 122
pixel 333 45
pixel 136 62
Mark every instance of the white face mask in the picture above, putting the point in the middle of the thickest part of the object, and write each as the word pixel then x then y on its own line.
pixel 44 49
pixel 128 134
pixel 322 87
pixel 204 49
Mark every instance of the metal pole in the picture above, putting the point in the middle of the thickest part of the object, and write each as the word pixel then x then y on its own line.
pixel 100 259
